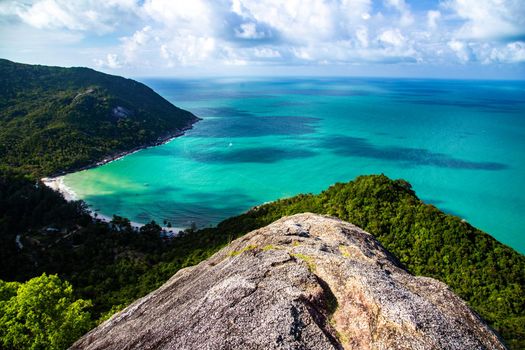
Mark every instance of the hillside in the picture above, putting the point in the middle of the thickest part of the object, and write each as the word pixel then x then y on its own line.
pixel 55 119
pixel 303 282
pixel 487 274
pixel 113 266
pixel 58 119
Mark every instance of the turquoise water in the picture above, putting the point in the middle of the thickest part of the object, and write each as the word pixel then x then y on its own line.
pixel 460 143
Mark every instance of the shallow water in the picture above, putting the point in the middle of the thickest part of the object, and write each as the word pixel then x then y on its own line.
pixel 460 143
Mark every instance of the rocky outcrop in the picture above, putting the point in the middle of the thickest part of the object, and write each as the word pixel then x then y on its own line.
pixel 303 282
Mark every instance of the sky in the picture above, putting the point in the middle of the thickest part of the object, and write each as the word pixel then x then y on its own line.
pixel 481 39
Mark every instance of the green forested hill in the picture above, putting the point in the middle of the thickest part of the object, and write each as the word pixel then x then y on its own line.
pixel 112 265
pixel 490 276
pixel 54 119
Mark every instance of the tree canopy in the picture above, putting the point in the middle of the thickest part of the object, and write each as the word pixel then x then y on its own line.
pixel 54 119
pixel 113 265
pixel 41 314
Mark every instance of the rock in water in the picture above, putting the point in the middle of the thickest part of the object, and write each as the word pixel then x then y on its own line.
pixel 304 282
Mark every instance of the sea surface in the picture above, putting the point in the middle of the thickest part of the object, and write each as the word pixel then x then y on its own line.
pixel 461 144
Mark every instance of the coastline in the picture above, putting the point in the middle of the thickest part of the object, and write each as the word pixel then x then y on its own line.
pixel 168 231
pixel 56 181
pixel 161 140
pixel 57 184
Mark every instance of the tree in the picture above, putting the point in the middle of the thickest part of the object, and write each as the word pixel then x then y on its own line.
pixel 151 228
pixel 41 314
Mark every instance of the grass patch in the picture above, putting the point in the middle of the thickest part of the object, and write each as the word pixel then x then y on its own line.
pixel 237 252
pixel 344 251
pixel 343 338
pixel 307 259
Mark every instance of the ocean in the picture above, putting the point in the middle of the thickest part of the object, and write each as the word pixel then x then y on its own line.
pixel 461 144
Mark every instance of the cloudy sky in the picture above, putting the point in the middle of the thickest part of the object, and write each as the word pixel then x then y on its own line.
pixel 447 38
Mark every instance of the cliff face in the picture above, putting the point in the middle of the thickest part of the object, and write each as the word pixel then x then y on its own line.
pixel 303 282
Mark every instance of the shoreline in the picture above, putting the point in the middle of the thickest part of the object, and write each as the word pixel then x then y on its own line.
pixel 56 181
pixel 169 231
pixel 57 184
pixel 161 140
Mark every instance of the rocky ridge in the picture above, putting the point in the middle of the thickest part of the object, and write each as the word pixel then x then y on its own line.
pixel 304 282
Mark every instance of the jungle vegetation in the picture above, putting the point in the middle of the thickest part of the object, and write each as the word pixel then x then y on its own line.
pixel 56 119
pixel 112 265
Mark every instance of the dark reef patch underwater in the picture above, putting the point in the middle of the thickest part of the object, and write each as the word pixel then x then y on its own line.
pixel 458 142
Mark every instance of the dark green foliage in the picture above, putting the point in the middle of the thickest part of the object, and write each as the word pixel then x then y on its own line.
pixel 59 237
pixel 487 274
pixel 28 206
pixel 114 265
pixel 54 119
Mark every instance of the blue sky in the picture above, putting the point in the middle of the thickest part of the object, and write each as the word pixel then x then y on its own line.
pixel 442 39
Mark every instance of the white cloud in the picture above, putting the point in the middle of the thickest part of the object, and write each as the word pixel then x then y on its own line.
pixel 112 61
pixel 489 19
pixel 248 31
pixel 404 10
pixel 188 51
pixel 510 53
pixel 235 62
pixel 195 15
pixel 8 8
pixel 304 21
pixel 461 49
pixel 192 33
pixel 132 45
pixel 392 37
pixel 266 52
pixel 79 15
pixel 208 33
pixel 304 53
pixel 361 35
pixel 432 18
pixel 48 13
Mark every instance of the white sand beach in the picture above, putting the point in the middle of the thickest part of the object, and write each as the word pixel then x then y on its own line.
pixel 57 184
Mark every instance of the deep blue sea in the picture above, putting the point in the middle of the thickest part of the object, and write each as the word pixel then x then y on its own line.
pixel 461 144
